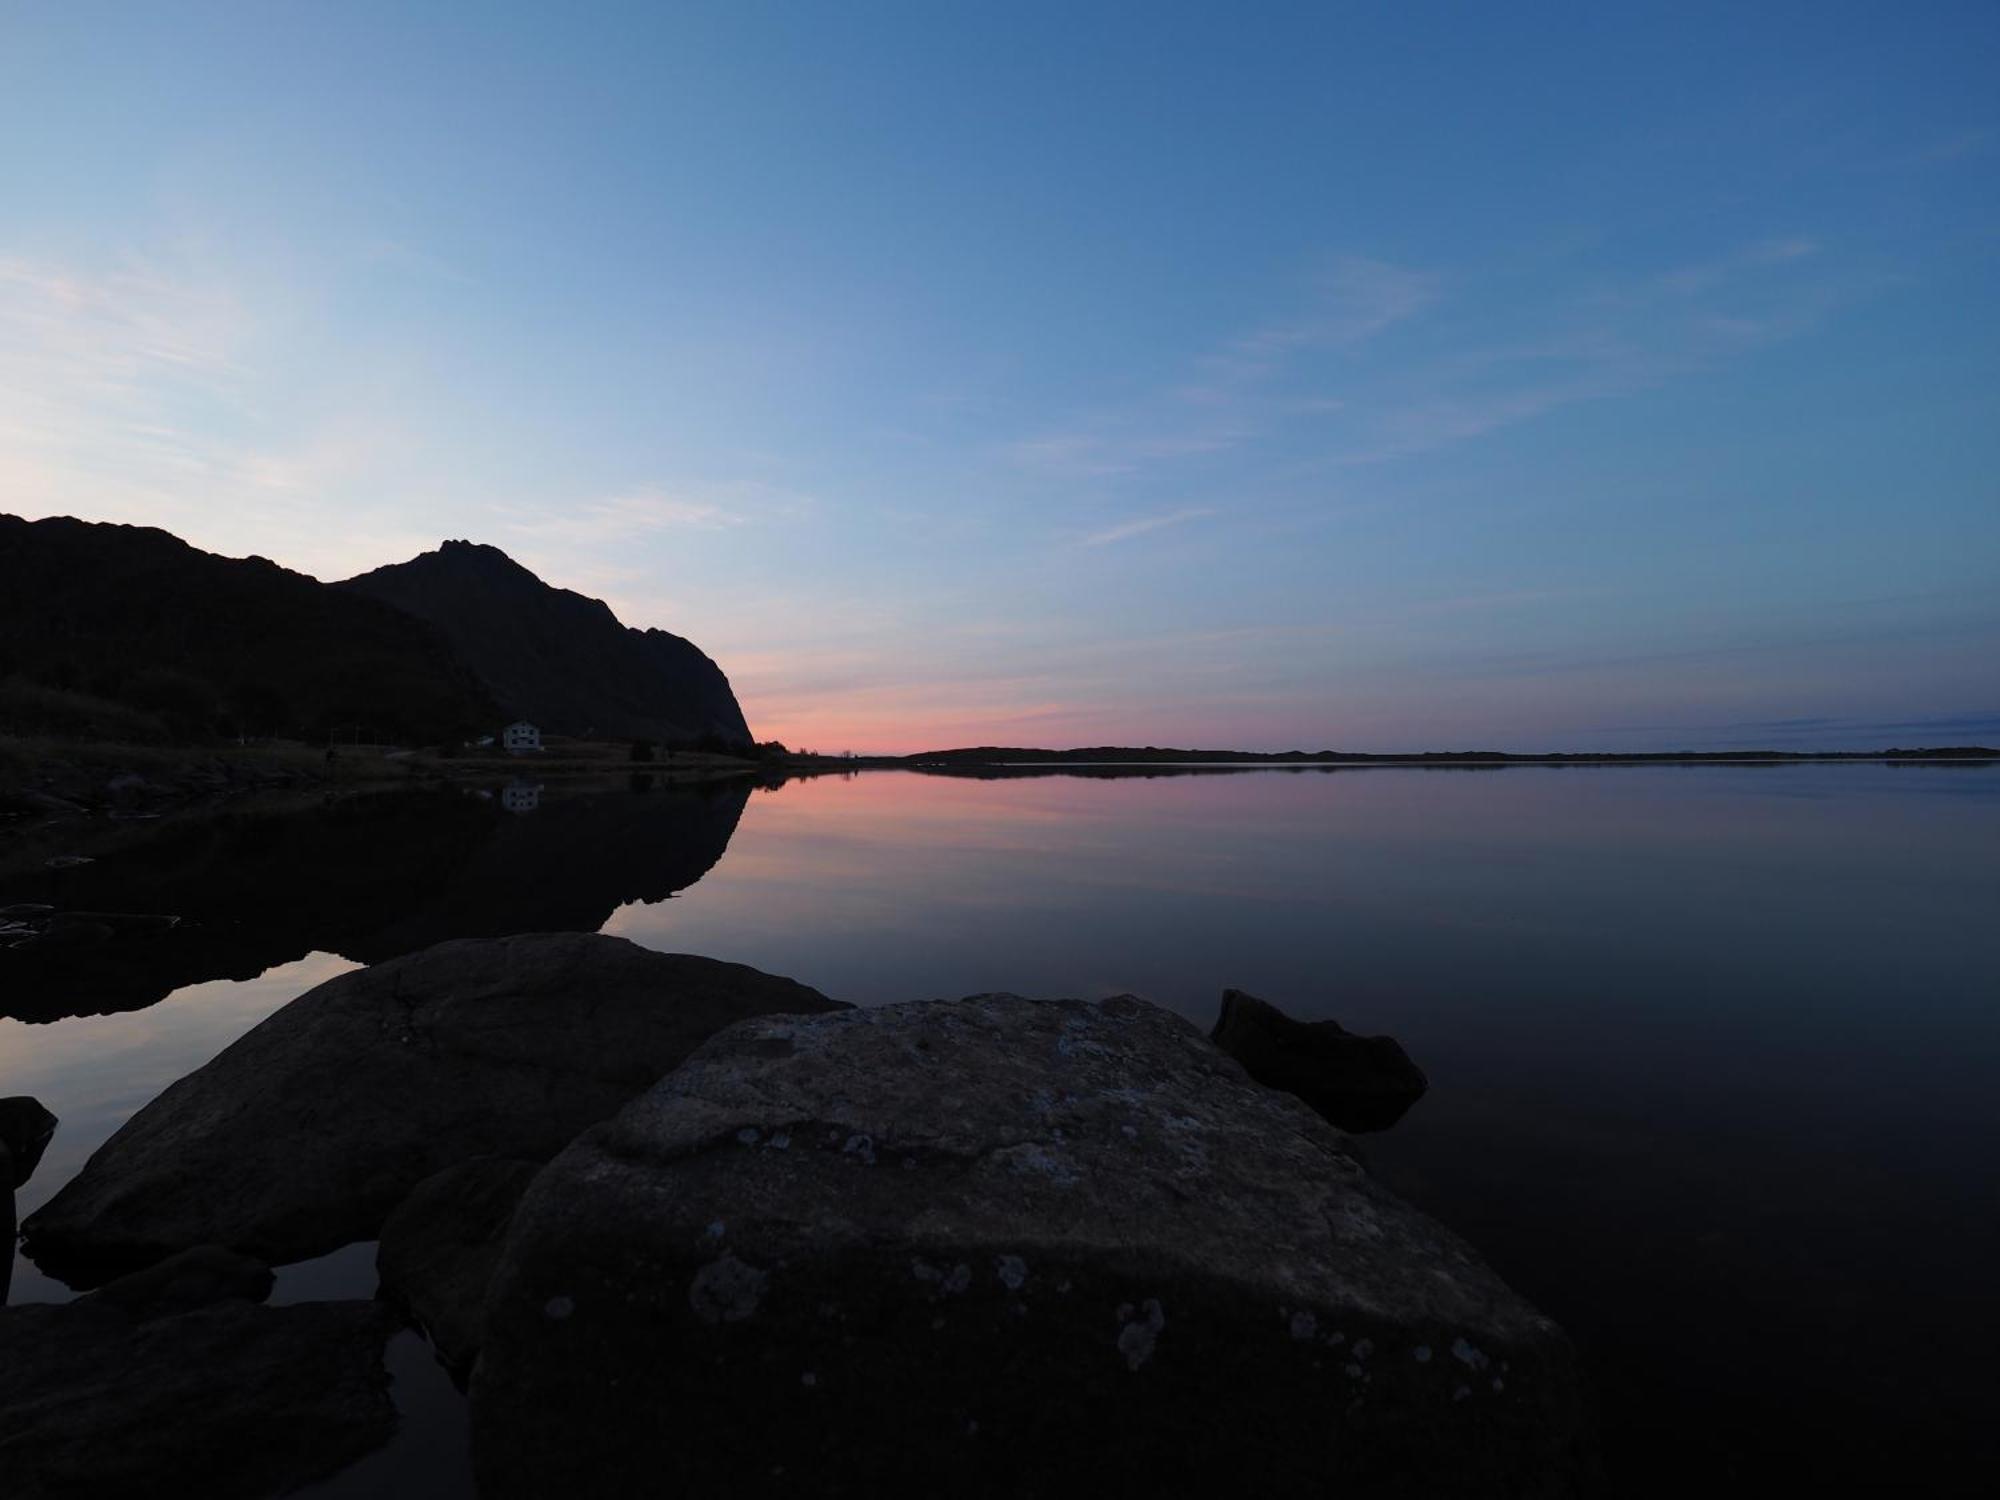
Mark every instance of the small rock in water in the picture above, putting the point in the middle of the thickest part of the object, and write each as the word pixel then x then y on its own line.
pixel 25 1130
pixel 1359 1083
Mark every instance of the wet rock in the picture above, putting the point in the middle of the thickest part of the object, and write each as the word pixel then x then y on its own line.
pixel 225 1401
pixel 194 1278
pixel 1359 1083
pixel 129 789
pixel 84 929
pixel 26 1128
pixel 303 1135
pixel 66 932
pixel 441 1244
pixel 1001 1247
pixel 121 923
pixel 31 800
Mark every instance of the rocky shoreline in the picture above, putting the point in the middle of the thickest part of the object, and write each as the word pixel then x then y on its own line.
pixel 77 787
pixel 667 1216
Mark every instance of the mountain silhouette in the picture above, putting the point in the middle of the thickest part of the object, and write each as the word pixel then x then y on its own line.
pixel 127 632
pixel 139 635
pixel 558 658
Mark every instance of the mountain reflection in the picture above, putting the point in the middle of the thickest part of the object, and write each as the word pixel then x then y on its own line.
pixel 367 878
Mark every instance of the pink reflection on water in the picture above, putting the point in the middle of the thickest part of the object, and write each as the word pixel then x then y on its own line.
pixel 1337 885
pixel 96 1072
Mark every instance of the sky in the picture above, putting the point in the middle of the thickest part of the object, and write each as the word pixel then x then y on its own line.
pixel 1244 376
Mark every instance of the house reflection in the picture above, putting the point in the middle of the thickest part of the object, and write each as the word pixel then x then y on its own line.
pixel 521 796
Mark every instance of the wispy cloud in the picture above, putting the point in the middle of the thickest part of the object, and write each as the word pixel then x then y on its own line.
pixel 108 330
pixel 134 389
pixel 1234 393
pixel 1623 337
pixel 1141 525
pixel 1355 300
pixel 1117 447
pixel 1494 601
pixel 624 518
pixel 1335 384
pixel 1945 151
pixel 1690 280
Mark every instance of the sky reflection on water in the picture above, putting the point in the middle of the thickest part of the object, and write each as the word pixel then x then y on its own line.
pixel 1713 1051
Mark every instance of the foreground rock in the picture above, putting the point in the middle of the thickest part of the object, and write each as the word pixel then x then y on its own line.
pixel 302 1135
pixel 229 1400
pixel 82 929
pixel 194 1278
pixel 995 1246
pixel 1359 1083
pixel 441 1244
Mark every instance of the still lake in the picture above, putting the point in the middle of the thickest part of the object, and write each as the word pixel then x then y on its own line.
pixel 1714 1051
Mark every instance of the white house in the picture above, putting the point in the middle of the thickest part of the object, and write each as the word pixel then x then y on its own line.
pixel 521 737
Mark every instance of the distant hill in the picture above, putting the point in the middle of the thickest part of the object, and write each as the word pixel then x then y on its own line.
pixel 128 632
pixel 557 658
pixel 985 758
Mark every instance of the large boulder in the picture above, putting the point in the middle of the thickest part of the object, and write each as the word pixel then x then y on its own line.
pixel 303 1134
pixel 227 1401
pixel 1359 1083
pixel 1001 1247
pixel 441 1244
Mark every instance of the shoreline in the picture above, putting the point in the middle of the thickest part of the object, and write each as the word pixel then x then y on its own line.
pixel 44 779
pixel 1747 758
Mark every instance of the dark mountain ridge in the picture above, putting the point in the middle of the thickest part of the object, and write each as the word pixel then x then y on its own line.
pixel 559 658
pixel 157 639
pixel 127 632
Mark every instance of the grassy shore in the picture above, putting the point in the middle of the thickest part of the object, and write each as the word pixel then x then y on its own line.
pixel 52 775
pixel 26 760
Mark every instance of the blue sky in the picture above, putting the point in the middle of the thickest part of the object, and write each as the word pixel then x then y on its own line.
pixel 1264 376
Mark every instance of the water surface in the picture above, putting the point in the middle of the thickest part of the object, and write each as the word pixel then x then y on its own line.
pixel 1713 1050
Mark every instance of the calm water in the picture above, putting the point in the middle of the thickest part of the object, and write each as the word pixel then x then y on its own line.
pixel 1714 1052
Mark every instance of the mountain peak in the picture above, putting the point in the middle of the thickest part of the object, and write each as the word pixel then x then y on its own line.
pixel 455 550
pixel 558 658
